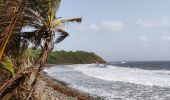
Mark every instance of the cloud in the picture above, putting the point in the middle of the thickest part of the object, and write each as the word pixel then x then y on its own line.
pixel 113 25
pixel 143 38
pixel 146 23
pixel 106 25
pixel 94 28
pixel 153 23
pixel 165 38
pixel 165 22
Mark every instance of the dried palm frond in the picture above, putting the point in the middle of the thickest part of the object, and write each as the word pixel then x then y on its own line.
pixel 9 23
pixel 40 14
pixel 78 20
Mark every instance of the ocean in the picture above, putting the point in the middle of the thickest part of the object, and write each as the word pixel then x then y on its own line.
pixel 117 80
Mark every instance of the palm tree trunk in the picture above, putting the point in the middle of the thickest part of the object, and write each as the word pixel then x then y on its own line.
pixel 34 76
pixel 28 79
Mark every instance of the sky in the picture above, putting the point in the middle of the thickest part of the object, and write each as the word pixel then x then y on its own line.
pixel 118 30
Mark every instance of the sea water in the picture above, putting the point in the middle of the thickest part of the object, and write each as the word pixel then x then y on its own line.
pixel 117 81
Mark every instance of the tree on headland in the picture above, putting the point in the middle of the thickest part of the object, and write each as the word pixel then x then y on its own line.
pixel 41 15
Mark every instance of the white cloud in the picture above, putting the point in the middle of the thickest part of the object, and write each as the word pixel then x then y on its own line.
pixel 147 23
pixel 94 28
pixel 143 38
pixel 105 25
pixel 153 23
pixel 165 22
pixel 113 25
pixel 165 38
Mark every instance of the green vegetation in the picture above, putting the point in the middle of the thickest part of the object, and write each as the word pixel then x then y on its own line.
pixel 15 17
pixel 78 57
pixel 7 63
pixel 63 57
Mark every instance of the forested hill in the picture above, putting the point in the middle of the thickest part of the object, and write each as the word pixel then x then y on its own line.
pixel 64 57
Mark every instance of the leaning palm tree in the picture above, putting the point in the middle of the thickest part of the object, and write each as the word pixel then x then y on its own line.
pixel 11 19
pixel 42 16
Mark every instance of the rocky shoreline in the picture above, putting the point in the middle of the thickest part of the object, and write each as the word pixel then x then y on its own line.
pixel 51 89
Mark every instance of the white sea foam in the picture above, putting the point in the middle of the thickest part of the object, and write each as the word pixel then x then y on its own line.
pixel 112 82
pixel 123 62
pixel 124 74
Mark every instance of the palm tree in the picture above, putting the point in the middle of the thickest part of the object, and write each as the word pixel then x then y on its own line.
pixel 42 16
pixel 10 25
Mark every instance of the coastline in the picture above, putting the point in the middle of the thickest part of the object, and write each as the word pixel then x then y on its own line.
pixel 52 89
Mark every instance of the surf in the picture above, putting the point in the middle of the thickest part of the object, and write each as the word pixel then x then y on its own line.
pixel 125 74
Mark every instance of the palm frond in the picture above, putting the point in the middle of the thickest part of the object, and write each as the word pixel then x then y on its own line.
pixel 12 23
pixel 63 34
pixel 7 64
pixel 32 17
pixel 55 7
pixel 78 20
